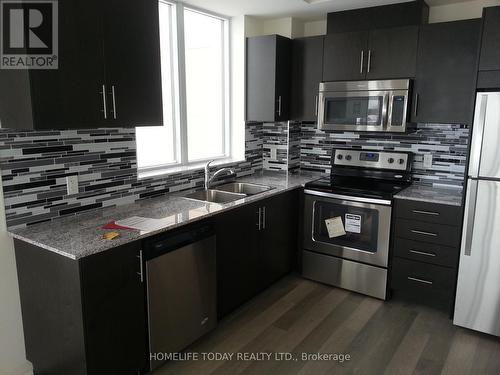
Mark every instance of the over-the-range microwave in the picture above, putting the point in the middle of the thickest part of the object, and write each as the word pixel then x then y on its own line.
pixel 374 106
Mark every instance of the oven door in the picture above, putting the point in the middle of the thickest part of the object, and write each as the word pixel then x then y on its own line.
pixel 366 225
pixel 355 111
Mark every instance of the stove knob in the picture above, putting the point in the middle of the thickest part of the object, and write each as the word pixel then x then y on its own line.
pixel 340 157
pixel 391 160
pixel 401 161
pixel 348 157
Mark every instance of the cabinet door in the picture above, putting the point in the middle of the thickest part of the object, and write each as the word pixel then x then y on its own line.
pixel 70 97
pixel 345 56
pixel 114 311
pixel 237 257
pixel 261 78
pixel 283 71
pixel 132 58
pixel 278 237
pixel 490 53
pixel 392 53
pixel 446 72
pixel 307 68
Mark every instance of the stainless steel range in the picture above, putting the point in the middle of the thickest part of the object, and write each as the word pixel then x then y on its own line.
pixel 347 220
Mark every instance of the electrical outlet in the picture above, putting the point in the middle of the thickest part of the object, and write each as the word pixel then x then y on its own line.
pixel 428 161
pixel 72 184
pixel 274 154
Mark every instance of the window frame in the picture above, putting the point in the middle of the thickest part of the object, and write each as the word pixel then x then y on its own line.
pixel 180 128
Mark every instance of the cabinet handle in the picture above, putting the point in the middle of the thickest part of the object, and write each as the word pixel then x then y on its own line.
pixel 104 106
pixel 426 212
pixel 259 214
pixel 114 101
pixel 422 281
pixel 279 105
pixel 140 273
pixel 316 105
pixel 362 61
pixel 424 233
pixel 422 253
pixel 264 217
pixel 416 104
pixel 369 60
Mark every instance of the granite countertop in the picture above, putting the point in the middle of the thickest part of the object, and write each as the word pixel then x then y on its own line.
pixel 81 235
pixel 452 197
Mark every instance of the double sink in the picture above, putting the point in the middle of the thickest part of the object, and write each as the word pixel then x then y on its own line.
pixel 228 192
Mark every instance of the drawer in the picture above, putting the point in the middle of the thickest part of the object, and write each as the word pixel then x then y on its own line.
pixel 439 234
pixel 428 212
pixel 423 283
pixel 426 252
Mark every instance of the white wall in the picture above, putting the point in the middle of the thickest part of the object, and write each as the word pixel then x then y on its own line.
pixel 237 37
pixel 12 354
pixel 460 11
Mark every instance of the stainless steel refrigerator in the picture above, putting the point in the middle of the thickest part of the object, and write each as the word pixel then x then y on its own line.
pixel 478 292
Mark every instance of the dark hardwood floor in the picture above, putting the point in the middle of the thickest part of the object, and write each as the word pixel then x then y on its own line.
pixel 300 316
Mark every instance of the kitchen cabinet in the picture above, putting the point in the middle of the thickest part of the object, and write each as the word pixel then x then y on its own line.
pixel 425 252
pixel 446 72
pixel 256 245
pixel 375 54
pixel 83 316
pixel 268 71
pixel 379 17
pixel 490 53
pixel 307 68
pixel 344 56
pixel 108 71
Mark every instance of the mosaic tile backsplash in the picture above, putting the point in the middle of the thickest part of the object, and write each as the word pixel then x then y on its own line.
pixel 34 166
pixel 447 143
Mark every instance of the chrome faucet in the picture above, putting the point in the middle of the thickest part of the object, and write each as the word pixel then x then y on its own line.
pixel 209 179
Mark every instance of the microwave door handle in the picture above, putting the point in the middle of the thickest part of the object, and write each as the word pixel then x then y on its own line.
pixel 389 110
pixel 384 110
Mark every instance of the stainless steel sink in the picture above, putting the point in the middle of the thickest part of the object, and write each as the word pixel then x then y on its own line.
pixel 214 196
pixel 244 188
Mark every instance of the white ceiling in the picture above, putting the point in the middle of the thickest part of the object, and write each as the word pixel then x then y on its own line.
pixel 309 10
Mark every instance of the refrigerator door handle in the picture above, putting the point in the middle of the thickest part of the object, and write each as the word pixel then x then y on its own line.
pixel 477 135
pixel 470 213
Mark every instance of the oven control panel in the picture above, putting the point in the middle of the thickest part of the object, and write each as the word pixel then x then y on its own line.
pixel 371 159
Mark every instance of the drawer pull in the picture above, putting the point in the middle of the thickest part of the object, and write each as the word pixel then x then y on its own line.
pixel 420 280
pixel 426 212
pixel 424 233
pixel 423 253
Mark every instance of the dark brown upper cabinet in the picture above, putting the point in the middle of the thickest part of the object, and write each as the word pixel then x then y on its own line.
pixel 108 76
pixel 380 17
pixel 307 71
pixel 268 78
pixel 446 72
pixel 490 51
pixel 376 54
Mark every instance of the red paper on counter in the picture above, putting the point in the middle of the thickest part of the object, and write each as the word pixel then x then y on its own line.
pixel 112 225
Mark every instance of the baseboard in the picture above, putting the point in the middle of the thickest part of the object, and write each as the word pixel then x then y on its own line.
pixel 25 368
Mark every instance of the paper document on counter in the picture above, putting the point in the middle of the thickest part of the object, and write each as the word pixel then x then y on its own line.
pixel 144 223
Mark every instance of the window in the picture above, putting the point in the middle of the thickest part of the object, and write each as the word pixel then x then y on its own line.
pixel 195 87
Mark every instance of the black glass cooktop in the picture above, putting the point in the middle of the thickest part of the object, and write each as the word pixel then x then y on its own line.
pixel 357 186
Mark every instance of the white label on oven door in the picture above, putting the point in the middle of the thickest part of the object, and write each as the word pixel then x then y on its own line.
pixel 353 223
pixel 335 227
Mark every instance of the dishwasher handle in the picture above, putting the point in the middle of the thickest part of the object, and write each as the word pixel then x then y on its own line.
pixel 170 242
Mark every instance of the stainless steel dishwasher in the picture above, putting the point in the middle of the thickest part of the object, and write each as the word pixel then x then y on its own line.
pixel 181 290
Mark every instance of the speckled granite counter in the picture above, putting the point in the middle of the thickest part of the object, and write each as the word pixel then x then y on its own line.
pixel 452 197
pixel 81 235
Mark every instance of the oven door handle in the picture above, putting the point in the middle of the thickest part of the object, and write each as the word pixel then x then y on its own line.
pixel 384 202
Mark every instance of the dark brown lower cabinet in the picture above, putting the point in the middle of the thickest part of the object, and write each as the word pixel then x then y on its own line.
pixel 83 316
pixel 256 245
pixel 425 252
